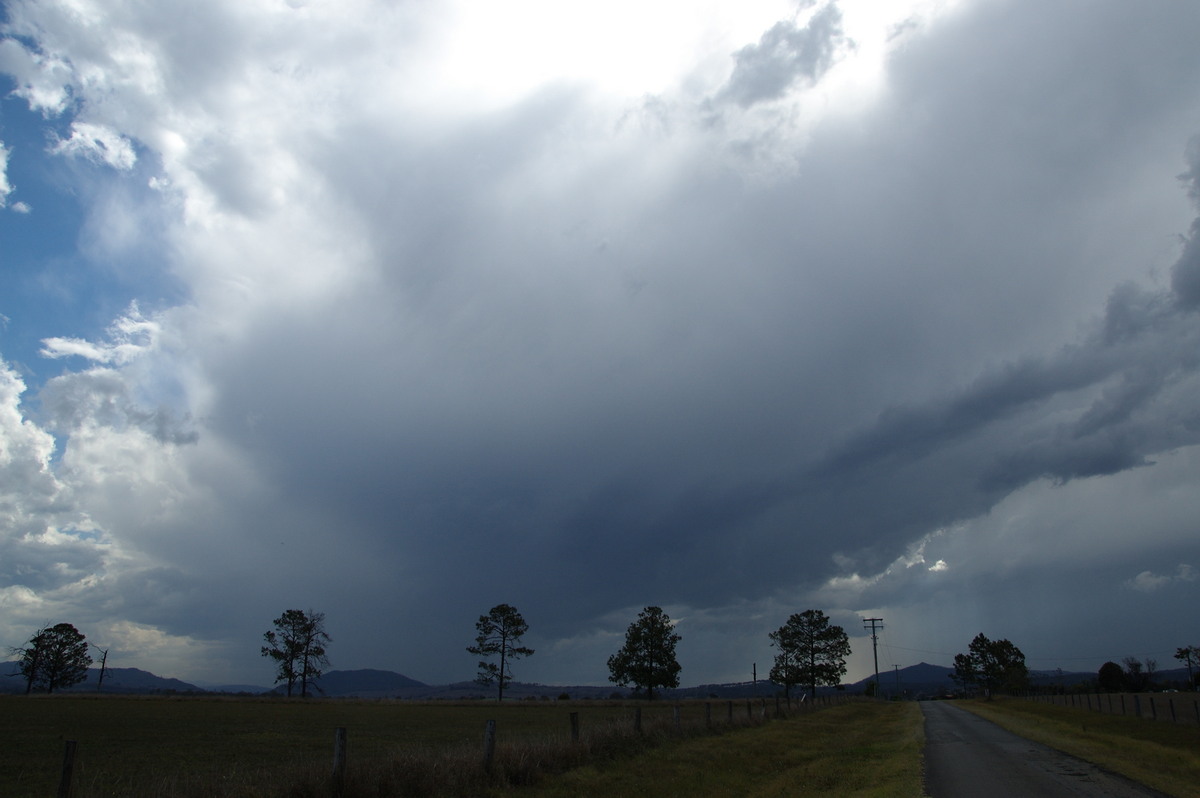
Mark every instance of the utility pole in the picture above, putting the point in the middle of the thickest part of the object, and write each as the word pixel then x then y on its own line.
pixel 897 667
pixel 870 623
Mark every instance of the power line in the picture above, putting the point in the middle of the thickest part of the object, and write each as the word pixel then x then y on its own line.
pixel 1040 658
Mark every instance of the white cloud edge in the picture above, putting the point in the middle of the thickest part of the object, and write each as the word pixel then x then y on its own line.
pixel 1150 582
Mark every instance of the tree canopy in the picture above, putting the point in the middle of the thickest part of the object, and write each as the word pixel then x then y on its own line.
pixel 55 657
pixel 647 660
pixel 811 651
pixel 1189 656
pixel 499 635
pixel 1110 677
pixel 297 644
pixel 991 665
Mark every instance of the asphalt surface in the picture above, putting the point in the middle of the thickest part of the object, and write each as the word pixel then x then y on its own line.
pixel 969 757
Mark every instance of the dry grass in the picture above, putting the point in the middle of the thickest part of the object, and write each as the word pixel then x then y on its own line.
pixel 1161 755
pixel 859 750
pixel 205 746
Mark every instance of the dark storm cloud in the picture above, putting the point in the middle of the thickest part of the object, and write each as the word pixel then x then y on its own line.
pixel 42 565
pixel 583 358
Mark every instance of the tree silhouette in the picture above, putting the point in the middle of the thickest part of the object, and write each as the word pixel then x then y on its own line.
pixel 500 634
pixel 1190 656
pixel 297 644
pixel 56 657
pixel 647 660
pixel 1110 677
pixel 811 652
pixel 991 665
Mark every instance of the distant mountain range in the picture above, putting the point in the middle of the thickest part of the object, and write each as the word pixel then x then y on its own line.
pixel 922 680
pixel 116 680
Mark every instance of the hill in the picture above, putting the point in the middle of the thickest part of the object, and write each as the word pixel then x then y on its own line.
pixel 116 680
pixel 915 681
pixel 366 683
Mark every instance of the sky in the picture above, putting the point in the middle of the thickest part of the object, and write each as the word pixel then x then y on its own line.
pixel 399 310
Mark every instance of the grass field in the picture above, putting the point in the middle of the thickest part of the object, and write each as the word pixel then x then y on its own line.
pixel 860 750
pixel 1161 755
pixel 191 746
pixel 208 746
pixel 164 746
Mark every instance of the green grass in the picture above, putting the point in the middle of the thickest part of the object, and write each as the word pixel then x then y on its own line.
pixel 860 750
pixel 1159 754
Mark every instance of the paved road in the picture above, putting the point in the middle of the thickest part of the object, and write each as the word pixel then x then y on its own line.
pixel 969 757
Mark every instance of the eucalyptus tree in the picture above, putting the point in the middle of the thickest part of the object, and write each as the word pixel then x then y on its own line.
pixel 55 657
pixel 297 645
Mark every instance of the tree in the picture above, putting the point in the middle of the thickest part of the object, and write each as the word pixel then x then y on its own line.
pixel 1189 655
pixel 297 644
pixel 991 665
pixel 647 660
pixel 56 657
pixel 1137 678
pixel 811 652
pixel 1111 677
pixel 500 634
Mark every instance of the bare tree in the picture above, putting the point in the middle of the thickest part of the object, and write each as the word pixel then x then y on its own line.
pixel 1136 677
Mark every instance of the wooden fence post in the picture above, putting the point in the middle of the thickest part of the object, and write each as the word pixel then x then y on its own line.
pixel 574 727
pixel 339 760
pixel 64 783
pixel 489 745
pixel 731 712
pixel 708 714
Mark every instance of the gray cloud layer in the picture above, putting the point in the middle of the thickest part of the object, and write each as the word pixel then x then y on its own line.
pixel 713 352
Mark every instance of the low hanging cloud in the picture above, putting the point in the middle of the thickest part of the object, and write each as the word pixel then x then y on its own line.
pixel 1148 581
